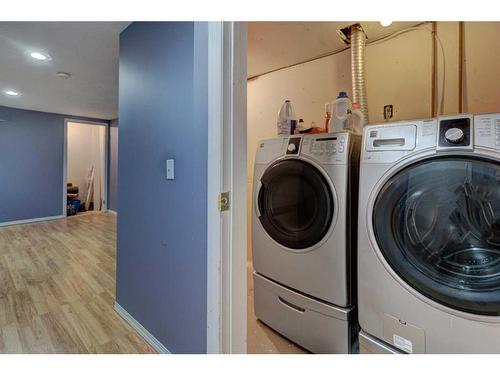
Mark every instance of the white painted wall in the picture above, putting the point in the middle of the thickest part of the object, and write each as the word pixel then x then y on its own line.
pixel 79 156
pixel 482 64
pixel 398 73
pixel 82 145
pixel 273 45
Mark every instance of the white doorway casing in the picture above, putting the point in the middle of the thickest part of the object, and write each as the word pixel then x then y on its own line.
pixel 102 171
pixel 227 153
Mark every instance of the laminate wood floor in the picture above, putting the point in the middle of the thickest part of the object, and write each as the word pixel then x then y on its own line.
pixel 57 288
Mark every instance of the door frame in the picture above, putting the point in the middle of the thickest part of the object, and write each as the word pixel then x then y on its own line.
pixel 227 172
pixel 65 160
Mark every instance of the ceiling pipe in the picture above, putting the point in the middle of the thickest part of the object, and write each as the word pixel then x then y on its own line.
pixel 358 44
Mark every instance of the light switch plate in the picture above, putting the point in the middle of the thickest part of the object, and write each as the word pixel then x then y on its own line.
pixel 170 169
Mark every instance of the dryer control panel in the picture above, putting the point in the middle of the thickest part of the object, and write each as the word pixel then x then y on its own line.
pixel 329 148
pixel 293 146
pixel 324 148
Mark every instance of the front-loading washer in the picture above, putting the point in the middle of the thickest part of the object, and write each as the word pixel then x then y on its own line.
pixel 304 238
pixel 429 236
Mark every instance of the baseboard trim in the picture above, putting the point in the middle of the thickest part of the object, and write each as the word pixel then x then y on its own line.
pixel 28 221
pixel 153 341
pixel 113 212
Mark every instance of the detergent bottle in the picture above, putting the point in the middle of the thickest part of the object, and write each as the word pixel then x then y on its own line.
pixel 341 110
pixel 356 120
pixel 287 121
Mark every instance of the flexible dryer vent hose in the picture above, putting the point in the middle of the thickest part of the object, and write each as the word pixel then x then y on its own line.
pixel 358 43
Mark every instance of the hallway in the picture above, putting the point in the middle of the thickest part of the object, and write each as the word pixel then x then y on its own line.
pixel 57 288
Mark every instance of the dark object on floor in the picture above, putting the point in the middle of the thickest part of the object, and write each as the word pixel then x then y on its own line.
pixel 72 207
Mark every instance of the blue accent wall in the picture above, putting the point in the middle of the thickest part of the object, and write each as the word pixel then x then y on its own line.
pixel 113 166
pixel 162 237
pixel 31 163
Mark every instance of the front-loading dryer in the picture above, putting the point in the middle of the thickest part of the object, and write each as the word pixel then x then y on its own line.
pixel 304 236
pixel 429 236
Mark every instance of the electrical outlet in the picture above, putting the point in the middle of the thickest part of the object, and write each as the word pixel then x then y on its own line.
pixel 388 111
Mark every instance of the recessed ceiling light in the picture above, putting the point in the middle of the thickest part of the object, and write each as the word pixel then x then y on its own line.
pixel 386 23
pixel 64 75
pixel 11 93
pixel 39 56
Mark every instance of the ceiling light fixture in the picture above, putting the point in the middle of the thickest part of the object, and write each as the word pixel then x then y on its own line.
pixel 39 56
pixel 64 75
pixel 11 93
pixel 386 23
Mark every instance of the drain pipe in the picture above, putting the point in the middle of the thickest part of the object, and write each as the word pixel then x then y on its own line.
pixel 358 44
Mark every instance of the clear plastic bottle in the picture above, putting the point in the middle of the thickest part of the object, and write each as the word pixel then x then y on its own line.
pixel 341 109
pixel 286 119
pixel 356 121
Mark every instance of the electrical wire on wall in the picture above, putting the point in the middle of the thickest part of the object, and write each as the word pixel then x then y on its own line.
pixel 434 109
pixel 461 62
pixel 440 43
pixel 375 42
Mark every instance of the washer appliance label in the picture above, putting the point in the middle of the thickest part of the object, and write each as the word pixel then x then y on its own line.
pixel 403 344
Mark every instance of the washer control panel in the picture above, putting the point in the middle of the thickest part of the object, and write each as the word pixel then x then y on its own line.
pixel 454 135
pixel 388 143
pixel 455 132
pixel 487 130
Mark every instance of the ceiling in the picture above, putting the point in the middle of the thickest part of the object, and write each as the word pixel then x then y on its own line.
pixel 86 50
pixel 89 51
pixel 274 45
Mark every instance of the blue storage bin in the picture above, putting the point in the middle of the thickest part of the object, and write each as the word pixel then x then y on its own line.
pixel 73 206
pixel 76 204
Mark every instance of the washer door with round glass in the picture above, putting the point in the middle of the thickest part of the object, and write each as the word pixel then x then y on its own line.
pixel 295 204
pixel 437 224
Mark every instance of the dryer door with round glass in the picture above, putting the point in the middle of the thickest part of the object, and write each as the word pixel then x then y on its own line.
pixel 437 224
pixel 295 204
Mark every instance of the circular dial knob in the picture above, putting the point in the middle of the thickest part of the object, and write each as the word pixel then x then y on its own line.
pixel 292 147
pixel 454 135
